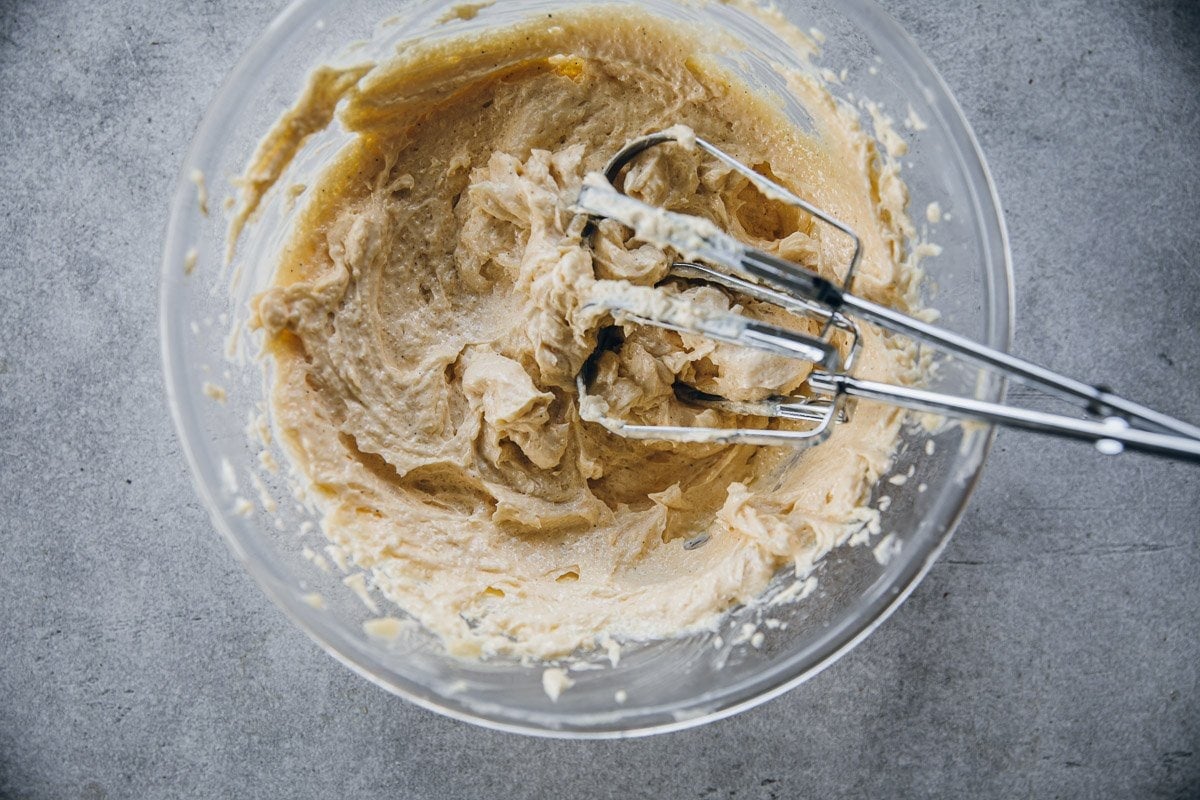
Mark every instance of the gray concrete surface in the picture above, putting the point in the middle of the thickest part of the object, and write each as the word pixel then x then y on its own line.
pixel 1053 652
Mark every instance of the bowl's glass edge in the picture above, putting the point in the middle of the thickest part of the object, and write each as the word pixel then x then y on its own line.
pixel 731 700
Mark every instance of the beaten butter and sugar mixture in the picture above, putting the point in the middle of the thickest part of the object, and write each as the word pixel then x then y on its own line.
pixel 429 315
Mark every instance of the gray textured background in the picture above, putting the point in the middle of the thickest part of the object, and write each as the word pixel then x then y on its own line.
pixel 1053 651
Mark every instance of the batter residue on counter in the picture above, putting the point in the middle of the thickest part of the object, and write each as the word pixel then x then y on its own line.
pixel 427 322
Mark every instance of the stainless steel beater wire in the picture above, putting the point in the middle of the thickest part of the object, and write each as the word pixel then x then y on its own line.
pixel 638 146
pixel 793 199
pixel 688 270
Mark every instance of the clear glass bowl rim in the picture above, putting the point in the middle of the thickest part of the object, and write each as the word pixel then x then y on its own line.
pixel 839 639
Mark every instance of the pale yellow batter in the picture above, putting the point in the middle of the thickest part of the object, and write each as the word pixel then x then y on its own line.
pixel 428 320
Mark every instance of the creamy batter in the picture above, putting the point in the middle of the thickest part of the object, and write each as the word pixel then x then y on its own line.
pixel 429 316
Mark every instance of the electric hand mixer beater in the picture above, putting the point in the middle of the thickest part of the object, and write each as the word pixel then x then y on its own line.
pixel 1113 424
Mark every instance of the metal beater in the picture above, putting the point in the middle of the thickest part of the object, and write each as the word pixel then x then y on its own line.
pixel 1114 424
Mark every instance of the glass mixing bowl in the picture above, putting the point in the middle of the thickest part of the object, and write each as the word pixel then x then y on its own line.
pixel 662 685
